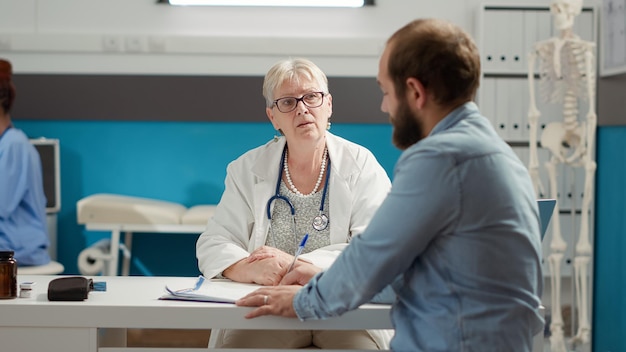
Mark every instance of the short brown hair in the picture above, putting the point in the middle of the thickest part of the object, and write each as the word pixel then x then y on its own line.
pixel 7 88
pixel 442 56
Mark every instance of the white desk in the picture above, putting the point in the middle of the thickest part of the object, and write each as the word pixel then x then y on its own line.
pixel 99 323
pixel 111 267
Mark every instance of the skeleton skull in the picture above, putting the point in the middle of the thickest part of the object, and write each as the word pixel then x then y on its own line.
pixel 564 12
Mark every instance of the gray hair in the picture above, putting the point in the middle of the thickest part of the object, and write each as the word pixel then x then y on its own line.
pixel 292 70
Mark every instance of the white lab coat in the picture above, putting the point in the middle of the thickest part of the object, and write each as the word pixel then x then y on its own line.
pixel 357 186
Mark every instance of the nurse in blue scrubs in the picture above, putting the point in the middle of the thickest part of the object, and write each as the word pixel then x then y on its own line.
pixel 22 199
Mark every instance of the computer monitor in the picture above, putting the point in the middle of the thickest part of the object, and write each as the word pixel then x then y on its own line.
pixel 49 152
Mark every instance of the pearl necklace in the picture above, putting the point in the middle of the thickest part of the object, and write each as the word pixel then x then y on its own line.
pixel 319 178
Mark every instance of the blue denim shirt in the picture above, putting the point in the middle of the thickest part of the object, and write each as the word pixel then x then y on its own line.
pixel 460 229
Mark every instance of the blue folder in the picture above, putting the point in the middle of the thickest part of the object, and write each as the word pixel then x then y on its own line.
pixel 546 209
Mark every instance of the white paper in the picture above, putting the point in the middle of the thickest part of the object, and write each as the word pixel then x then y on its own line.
pixel 220 291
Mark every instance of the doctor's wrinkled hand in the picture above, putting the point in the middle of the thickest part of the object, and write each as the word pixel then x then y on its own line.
pixel 271 301
pixel 301 274
pixel 265 252
pixel 266 272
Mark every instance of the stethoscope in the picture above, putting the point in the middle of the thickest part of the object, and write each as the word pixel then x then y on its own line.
pixel 320 222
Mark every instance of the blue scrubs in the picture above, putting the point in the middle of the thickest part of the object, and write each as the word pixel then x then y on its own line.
pixel 22 200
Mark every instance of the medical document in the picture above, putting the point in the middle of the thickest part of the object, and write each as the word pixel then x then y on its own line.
pixel 204 290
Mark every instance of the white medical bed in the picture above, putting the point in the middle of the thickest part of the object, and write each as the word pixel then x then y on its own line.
pixel 117 213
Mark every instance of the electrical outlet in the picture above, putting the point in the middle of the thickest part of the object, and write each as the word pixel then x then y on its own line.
pixel 111 43
pixel 134 44
pixel 5 43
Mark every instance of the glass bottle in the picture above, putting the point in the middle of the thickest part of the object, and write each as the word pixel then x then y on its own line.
pixel 8 275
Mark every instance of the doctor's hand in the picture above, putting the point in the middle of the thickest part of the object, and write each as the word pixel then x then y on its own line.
pixel 265 252
pixel 266 272
pixel 271 301
pixel 301 273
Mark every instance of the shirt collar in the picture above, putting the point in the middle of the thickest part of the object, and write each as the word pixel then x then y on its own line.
pixel 5 131
pixel 454 117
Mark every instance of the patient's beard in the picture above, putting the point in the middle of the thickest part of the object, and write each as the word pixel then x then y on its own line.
pixel 407 127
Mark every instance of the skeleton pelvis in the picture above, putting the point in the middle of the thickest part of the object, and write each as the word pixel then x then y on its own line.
pixel 562 143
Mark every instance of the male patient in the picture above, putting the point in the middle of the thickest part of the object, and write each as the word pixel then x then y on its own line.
pixel 460 225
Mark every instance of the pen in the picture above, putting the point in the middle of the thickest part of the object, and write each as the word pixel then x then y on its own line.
pixel 299 251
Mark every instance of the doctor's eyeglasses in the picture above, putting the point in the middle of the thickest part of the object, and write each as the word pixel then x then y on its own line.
pixel 289 104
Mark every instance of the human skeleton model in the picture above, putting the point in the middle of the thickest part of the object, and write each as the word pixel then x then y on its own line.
pixel 566 68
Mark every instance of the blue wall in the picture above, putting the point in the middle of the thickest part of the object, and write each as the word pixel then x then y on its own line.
pixel 183 162
pixel 610 242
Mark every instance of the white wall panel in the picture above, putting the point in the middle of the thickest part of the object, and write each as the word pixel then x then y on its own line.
pixel 74 36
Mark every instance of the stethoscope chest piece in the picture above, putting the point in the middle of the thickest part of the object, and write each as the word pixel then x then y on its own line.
pixel 320 222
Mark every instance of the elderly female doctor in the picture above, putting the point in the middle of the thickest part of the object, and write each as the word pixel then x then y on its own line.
pixel 308 181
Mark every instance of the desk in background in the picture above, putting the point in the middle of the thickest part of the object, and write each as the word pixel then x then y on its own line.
pixel 99 324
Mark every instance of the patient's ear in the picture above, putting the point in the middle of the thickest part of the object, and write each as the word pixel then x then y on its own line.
pixel 416 92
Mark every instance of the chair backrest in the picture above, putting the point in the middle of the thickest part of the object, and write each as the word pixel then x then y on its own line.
pixel 546 209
